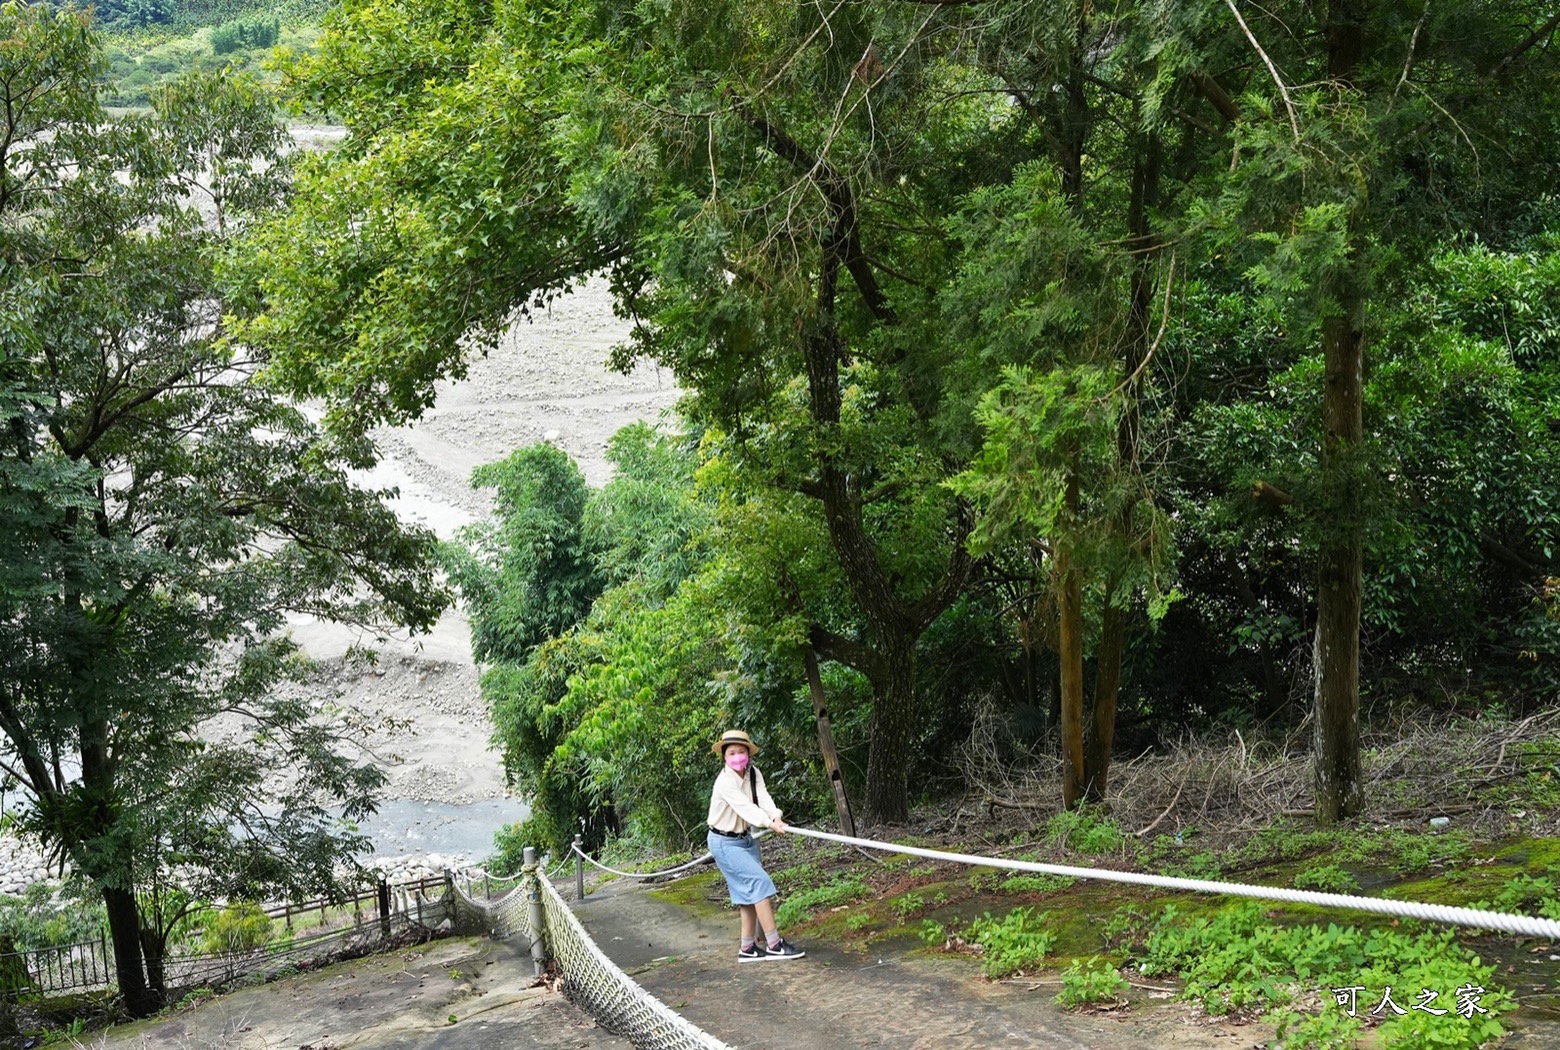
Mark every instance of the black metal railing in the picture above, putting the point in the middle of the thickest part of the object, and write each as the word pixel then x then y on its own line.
pixel 312 930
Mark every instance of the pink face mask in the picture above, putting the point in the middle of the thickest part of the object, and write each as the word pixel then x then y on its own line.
pixel 737 761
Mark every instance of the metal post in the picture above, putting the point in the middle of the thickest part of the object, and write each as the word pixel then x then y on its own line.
pixel 533 889
pixel 579 867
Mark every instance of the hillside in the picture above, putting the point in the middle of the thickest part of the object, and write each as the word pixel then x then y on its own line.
pixel 149 42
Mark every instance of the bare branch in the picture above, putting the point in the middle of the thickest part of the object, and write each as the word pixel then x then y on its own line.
pixel 1413 42
pixel 1283 89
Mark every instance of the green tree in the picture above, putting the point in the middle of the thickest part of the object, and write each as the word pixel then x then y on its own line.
pixel 604 716
pixel 1350 158
pixel 530 574
pixel 842 228
pixel 807 346
pixel 164 512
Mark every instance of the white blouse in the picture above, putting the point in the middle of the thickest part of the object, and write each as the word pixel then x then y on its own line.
pixel 731 802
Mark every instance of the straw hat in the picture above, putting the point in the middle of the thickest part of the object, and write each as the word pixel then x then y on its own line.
pixel 734 736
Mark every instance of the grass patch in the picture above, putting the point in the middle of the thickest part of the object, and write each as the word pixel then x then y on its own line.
pixel 1041 883
pixel 801 907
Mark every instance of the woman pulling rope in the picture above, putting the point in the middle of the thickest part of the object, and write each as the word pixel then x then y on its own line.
pixel 739 801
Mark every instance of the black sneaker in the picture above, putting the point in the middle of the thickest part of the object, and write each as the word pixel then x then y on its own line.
pixel 784 950
pixel 756 953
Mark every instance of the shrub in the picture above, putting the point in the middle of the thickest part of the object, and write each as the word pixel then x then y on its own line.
pixel 1235 960
pixel 1091 981
pixel 1085 831
pixel 240 927
pixel 45 916
pixel 1015 943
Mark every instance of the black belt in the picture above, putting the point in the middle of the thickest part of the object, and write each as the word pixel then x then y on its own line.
pixel 729 834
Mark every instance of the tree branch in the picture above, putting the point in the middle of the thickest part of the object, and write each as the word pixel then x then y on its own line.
pixel 1283 89
pixel 1211 90
pixel 1510 558
pixel 1533 38
pixel 1271 497
pixel 843 650
pixel 842 204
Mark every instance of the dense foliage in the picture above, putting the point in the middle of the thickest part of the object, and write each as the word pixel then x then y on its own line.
pixel 162 513
pixel 995 319
pixel 605 641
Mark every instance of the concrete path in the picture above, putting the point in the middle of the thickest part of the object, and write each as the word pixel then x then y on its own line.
pixel 832 999
pixel 457 994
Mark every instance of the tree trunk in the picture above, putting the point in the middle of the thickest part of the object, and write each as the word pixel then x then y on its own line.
pixel 1069 588
pixel 153 951
pixel 1107 680
pixel 1336 652
pixel 1107 687
pixel 124 930
pixel 893 731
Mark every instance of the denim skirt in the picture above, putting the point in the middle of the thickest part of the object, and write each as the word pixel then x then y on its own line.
pixel 738 860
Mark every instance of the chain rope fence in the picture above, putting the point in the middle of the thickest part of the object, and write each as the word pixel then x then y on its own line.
pixel 536 910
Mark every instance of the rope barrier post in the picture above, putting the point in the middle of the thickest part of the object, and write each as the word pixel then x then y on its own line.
pixel 579 867
pixel 533 893
pixel 831 758
pixel 384 907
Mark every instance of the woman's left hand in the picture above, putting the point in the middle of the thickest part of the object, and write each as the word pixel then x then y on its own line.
pixel 777 826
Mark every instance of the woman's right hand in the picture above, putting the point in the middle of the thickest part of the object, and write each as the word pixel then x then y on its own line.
pixel 777 826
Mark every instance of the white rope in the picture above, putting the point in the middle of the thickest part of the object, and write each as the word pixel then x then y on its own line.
pixel 1526 925
pixel 656 874
pixel 643 874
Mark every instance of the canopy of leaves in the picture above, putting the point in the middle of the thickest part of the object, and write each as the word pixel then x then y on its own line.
pixel 162 513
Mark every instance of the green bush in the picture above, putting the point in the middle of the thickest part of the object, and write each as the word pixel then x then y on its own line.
pixel 1236 960
pixel 1015 943
pixel 1526 894
pixel 1086 831
pixel 1091 981
pixel 245 34
pixel 240 927
pixel 47 916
